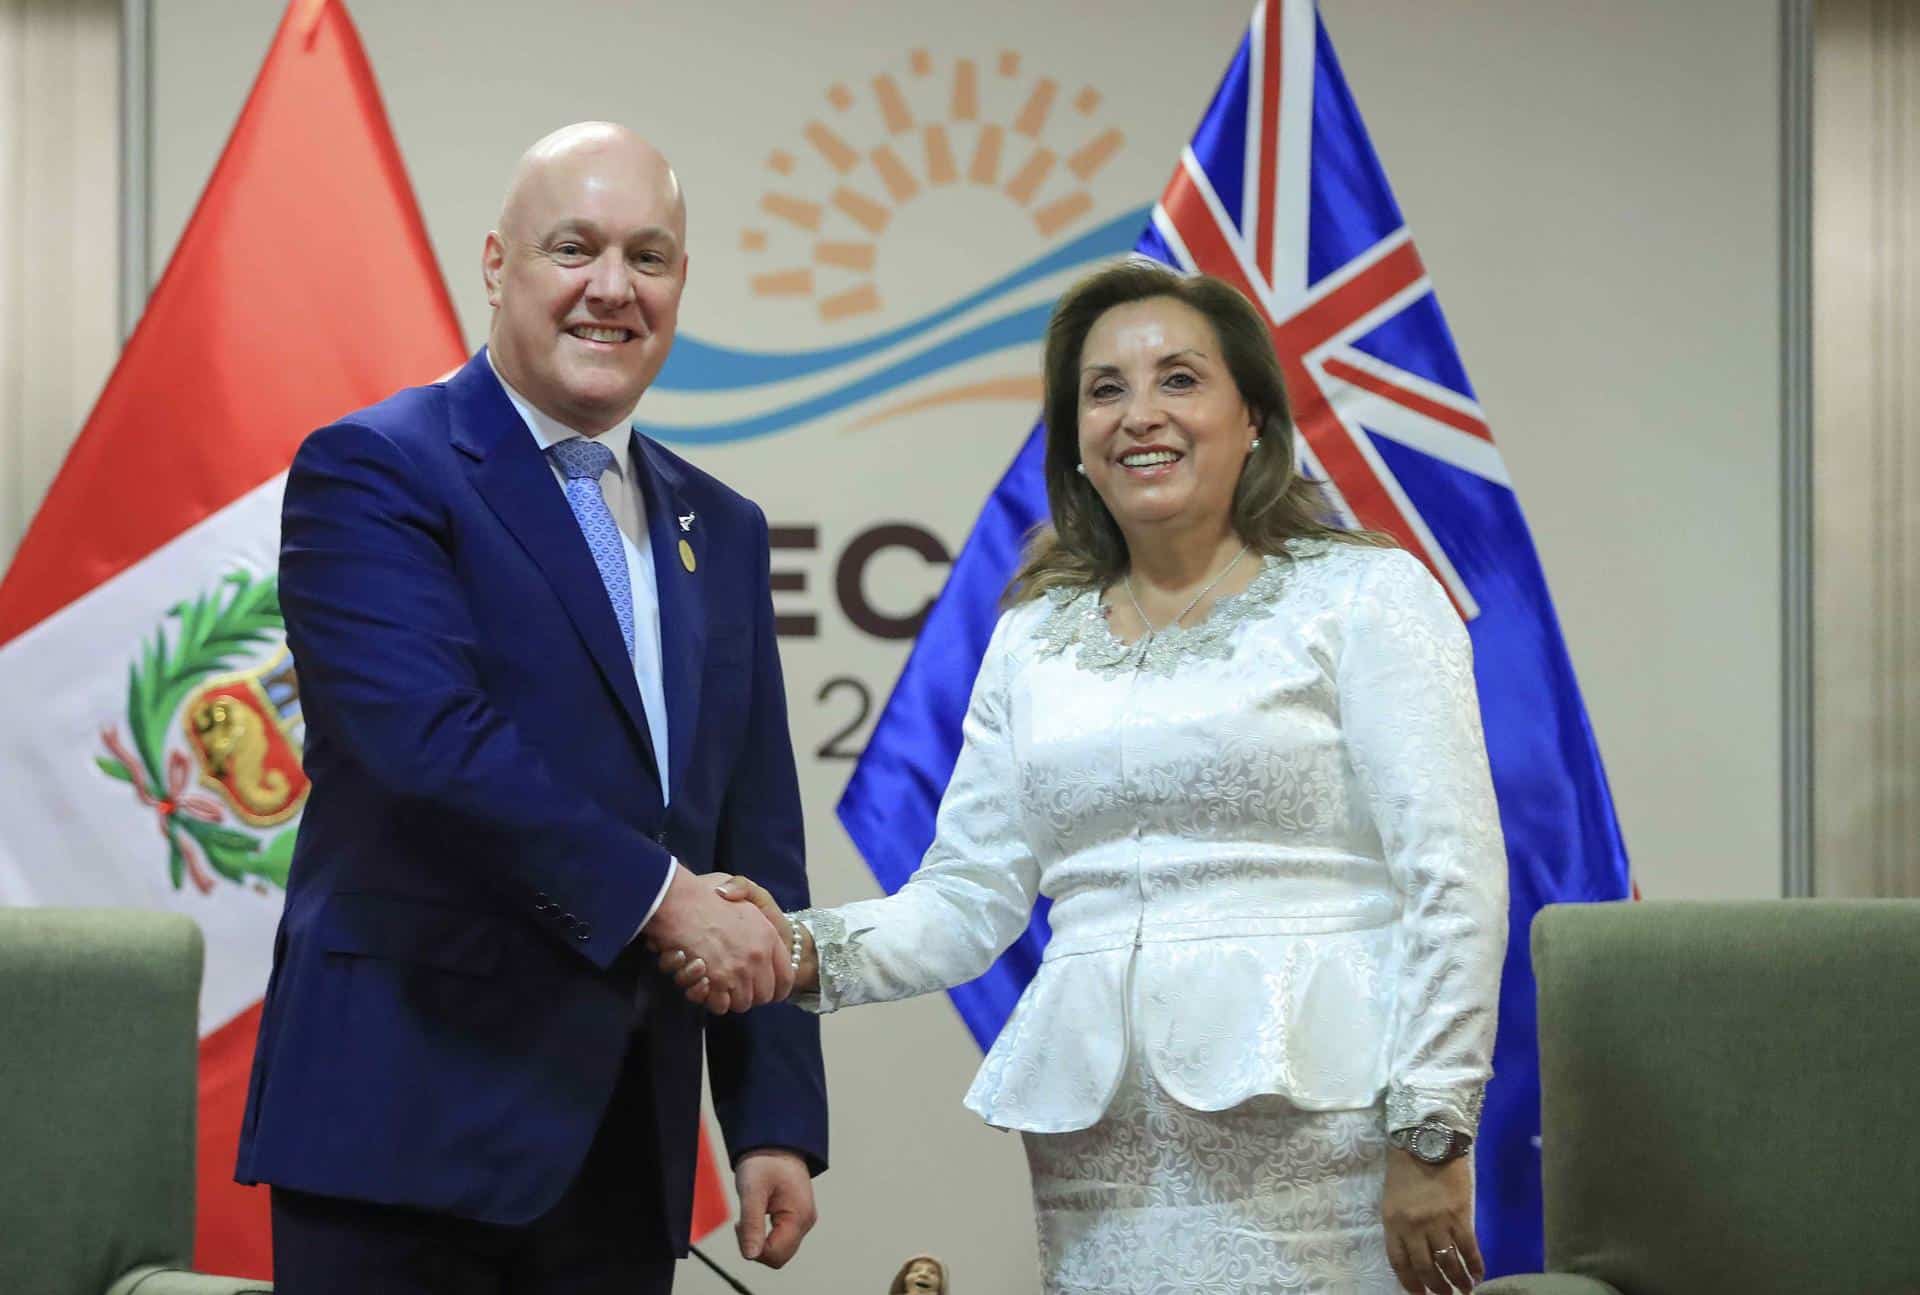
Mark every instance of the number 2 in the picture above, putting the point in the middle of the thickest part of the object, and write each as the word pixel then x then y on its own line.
pixel 835 747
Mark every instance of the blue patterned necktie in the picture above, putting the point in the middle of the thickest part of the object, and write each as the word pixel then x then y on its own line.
pixel 581 462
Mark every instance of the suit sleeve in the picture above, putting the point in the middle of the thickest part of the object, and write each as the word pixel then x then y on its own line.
pixel 385 645
pixel 973 893
pixel 769 1083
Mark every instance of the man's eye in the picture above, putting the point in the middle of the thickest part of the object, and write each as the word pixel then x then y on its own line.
pixel 571 251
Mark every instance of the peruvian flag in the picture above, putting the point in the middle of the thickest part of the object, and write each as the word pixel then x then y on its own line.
pixel 154 760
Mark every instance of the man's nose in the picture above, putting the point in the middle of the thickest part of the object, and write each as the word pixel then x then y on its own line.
pixel 611 281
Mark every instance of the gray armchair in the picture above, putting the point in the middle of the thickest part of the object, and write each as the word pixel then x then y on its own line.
pixel 98 1046
pixel 1729 1098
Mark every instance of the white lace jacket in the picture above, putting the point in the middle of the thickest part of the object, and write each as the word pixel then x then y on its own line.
pixel 1270 841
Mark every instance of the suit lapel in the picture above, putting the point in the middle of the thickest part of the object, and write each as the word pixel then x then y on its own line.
pixel 683 603
pixel 513 477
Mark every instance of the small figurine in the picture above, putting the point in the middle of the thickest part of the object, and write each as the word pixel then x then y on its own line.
pixel 920 1275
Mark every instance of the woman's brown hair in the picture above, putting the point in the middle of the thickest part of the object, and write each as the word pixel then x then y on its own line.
pixel 1272 503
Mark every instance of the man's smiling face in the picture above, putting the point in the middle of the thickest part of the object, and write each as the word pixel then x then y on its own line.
pixel 585 275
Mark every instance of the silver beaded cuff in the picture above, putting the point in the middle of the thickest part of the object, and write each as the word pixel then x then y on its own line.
pixel 1456 1108
pixel 835 950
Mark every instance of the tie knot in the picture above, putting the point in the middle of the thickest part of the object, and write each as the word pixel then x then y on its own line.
pixel 579 457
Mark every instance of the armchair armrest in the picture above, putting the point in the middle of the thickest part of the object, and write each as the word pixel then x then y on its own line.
pixel 151 1279
pixel 1545 1284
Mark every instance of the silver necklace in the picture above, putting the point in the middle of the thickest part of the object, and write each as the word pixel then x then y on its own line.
pixel 1138 610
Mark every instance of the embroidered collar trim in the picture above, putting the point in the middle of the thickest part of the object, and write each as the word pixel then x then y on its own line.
pixel 1077 621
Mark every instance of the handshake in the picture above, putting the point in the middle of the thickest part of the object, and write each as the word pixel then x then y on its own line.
pixel 727 945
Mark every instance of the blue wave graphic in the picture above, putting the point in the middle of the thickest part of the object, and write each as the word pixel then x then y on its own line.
pixel 1015 329
pixel 697 366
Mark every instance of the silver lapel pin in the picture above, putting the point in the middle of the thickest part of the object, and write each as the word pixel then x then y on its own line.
pixel 686 522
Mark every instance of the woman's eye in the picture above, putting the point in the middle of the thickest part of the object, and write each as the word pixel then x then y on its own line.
pixel 1180 381
pixel 1103 390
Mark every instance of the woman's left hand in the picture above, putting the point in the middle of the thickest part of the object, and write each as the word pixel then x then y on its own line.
pixel 1428 1210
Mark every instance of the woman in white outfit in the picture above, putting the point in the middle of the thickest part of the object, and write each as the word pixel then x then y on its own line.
pixel 1240 750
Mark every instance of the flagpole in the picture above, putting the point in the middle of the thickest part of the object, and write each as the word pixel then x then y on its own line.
pixel 136 157
pixel 732 1282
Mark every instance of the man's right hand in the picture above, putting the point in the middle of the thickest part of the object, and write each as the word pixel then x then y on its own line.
pixel 689 973
pixel 745 963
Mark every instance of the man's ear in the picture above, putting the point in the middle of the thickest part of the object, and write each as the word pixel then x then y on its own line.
pixel 493 257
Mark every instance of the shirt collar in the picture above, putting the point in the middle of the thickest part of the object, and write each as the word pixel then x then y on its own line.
pixel 549 432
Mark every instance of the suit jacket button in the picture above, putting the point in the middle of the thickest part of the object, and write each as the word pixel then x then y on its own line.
pixel 660 837
pixel 583 931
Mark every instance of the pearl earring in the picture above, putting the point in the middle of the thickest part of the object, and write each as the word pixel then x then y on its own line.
pixel 1081 468
pixel 1255 445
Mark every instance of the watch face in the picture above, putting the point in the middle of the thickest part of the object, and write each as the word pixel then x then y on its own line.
pixel 1430 1143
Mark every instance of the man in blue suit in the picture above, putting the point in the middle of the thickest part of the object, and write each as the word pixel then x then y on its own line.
pixel 543 703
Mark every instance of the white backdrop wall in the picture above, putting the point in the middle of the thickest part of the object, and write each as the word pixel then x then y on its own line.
pixel 59 178
pixel 1595 190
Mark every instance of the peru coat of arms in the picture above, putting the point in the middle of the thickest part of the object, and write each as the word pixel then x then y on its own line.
pixel 213 735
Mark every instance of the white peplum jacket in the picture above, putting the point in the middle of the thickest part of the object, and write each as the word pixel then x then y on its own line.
pixel 1270 841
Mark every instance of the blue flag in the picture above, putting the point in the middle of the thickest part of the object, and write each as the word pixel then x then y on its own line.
pixel 1281 194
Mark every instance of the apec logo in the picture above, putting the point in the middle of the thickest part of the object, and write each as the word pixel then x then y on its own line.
pixel 937 147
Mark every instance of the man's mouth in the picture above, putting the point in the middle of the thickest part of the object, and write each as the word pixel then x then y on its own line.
pixel 596 333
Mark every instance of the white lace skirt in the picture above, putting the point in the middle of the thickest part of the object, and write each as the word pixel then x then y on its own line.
pixel 1158 1199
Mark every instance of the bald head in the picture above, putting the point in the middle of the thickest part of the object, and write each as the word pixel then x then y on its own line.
pixel 587 149
pixel 585 271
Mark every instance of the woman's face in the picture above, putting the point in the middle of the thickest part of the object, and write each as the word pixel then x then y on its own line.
pixel 923 1275
pixel 1164 432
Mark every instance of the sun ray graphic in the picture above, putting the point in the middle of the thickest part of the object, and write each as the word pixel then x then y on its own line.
pixel 905 134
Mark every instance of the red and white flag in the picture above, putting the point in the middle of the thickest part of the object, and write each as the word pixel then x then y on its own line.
pixel 152 756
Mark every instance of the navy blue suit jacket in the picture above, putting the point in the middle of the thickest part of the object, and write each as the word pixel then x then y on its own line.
pixel 453 993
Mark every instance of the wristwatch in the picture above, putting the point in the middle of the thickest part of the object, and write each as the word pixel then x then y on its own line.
pixel 1431 1141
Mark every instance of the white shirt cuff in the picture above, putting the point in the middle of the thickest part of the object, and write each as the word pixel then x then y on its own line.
pixel 673 866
